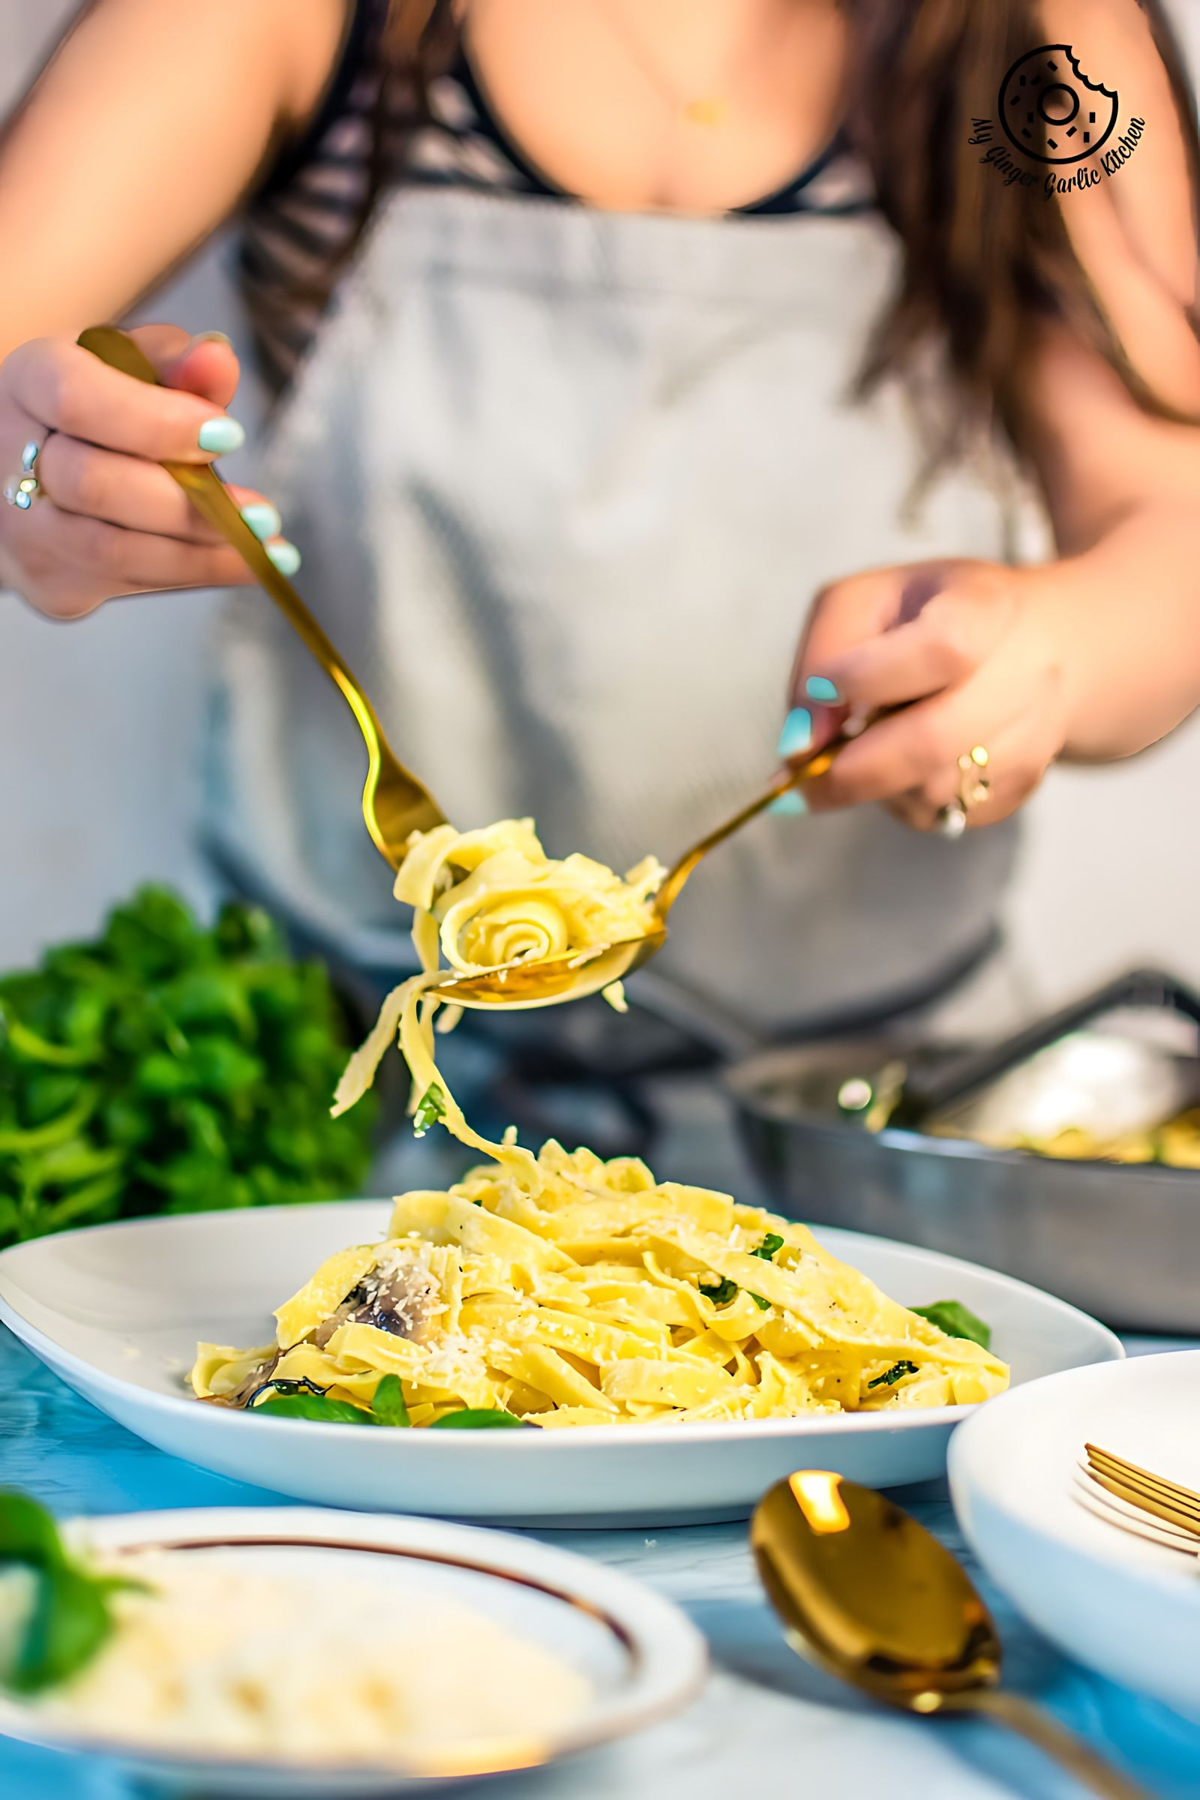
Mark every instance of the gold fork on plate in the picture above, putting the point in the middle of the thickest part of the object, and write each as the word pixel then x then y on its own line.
pixel 1143 1497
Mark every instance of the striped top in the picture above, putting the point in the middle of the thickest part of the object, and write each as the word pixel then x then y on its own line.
pixel 375 125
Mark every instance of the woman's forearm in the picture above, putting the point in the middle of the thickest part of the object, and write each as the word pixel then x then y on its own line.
pixel 1124 616
pixel 143 131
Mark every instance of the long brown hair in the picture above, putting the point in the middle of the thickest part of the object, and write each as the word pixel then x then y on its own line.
pixel 976 277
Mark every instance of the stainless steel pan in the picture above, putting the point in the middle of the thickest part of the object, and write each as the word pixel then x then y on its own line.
pixel 1121 1241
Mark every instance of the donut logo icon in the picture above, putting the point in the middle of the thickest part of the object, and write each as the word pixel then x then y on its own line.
pixel 1051 111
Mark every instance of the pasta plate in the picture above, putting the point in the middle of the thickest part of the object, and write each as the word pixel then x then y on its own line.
pixel 116 1311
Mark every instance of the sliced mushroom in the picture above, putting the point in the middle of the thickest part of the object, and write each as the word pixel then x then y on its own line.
pixel 397 1296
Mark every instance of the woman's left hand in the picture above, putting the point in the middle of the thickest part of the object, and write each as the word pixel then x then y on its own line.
pixel 966 649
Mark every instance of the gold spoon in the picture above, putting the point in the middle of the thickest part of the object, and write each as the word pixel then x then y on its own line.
pixel 867 1593
pixel 394 802
pixel 576 973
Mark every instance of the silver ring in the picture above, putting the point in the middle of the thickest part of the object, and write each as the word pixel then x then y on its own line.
pixel 22 489
pixel 951 821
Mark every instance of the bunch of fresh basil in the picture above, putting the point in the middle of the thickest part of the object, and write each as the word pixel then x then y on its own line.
pixel 170 1067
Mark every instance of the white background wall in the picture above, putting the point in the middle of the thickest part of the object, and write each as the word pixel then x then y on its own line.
pixel 98 721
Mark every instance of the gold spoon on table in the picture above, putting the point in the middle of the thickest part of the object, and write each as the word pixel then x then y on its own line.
pixel 394 802
pixel 868 1594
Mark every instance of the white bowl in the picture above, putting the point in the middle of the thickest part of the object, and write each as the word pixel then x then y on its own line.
pixel 116 1310
pixel 1125 1607
pixel 641 1657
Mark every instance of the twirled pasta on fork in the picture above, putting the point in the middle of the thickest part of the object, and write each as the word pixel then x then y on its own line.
pixel 487 901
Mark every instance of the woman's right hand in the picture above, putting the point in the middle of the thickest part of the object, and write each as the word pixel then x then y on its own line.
pixel 108 520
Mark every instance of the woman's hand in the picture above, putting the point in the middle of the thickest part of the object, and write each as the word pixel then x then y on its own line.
pixel 967 649
pixel 107 520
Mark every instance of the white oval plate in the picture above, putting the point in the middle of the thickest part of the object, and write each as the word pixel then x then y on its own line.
pixel 116 1310
pixel 1121 1605
pixel 641 1657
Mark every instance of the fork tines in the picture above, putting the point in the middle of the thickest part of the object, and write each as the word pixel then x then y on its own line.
pixel 1104 1504
pixel 1177 1507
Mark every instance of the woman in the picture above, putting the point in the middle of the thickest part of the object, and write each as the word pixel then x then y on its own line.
pixel 565 304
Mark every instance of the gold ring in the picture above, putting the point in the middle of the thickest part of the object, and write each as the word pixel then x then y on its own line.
pixel 974 785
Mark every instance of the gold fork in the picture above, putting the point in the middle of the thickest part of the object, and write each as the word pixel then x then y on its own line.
pixel 1151 1493
pixel 394 802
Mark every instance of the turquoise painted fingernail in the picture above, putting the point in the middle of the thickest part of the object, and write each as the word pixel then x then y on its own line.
pixel 262 519
pixel 220 436
pixel 797 732
pixel 818 687
pixel 285 556
pixel 791 805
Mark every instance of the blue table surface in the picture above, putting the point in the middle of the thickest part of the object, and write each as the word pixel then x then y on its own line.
pixel 765 1718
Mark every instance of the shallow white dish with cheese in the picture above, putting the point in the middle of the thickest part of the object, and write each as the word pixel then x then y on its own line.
pixel 117 1311
pixel 326 1655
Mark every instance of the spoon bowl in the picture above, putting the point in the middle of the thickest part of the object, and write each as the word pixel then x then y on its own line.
pixel 574 975
pixel 866 1593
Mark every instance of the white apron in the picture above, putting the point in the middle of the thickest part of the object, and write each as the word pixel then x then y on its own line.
pixel 566 482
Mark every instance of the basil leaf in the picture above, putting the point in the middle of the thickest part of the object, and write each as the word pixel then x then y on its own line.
pixel 71 1617
pixel 430 1108
pixel 71 1620
pixel 480 1418
pixel 770 1244
pixel 286 1385
pixel 314 1406
pixel 762 1305
pixel 28 1533
pixel 891 1376
pixel 720 1291
pixel 957 1321
pixel 387 1403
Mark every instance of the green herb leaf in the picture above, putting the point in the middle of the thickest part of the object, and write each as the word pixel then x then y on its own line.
pixel 762 1305
pixel 770 1244
pixel 430 1108
pixel 719 1290
pixel 891 1376
pixel 480 1418
pixel 387 1402
pixel 313 1406
pixel 169 1067
pixel 956 1320
pixel 71 1617
pixel 71 1620
pixel 28 1533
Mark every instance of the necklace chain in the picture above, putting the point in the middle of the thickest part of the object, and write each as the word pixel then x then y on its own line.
pixel 706 110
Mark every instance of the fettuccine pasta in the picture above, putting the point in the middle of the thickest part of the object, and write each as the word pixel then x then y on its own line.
pixel 598 1296
pixel 485 901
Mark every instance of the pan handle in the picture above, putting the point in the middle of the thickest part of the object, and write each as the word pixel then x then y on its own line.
pixel 929 1092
